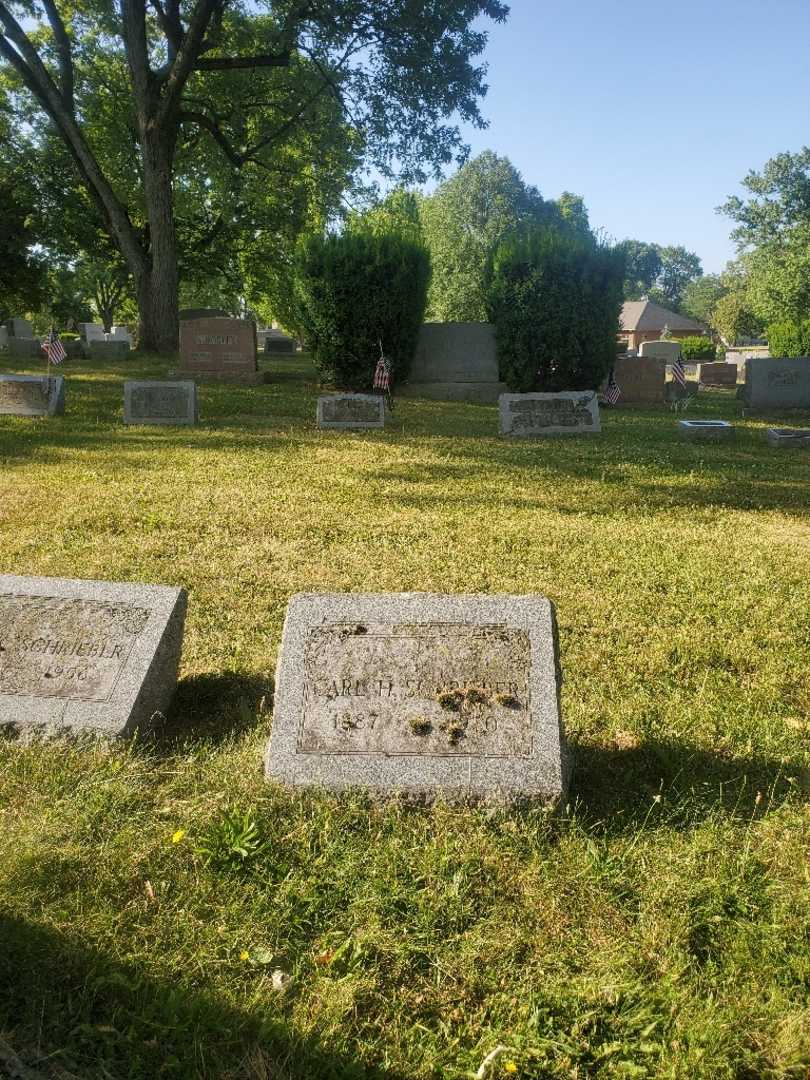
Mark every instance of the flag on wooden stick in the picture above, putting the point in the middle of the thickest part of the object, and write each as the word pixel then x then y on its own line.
pixel 612 391
pixel 53 348
pixel 678 373
pixel 382 378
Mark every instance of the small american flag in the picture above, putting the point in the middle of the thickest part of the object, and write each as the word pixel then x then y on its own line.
pixel 382 376
pixel 678 374
pixel 612 391
pixel 53 348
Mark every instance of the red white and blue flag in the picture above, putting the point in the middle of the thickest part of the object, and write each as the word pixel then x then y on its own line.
pixel 612 391
pixel 53 348
pixel 678 373
pixel 382 376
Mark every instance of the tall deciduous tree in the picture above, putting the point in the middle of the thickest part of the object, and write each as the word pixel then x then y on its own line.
pixel 245 78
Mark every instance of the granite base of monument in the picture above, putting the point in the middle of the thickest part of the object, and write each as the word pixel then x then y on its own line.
pixel 151 402
pixel 87 655
pixel 347 411
pixel 108 350
pixel 571 412
pixel 32 395
pixel 420 695
pixel 705 430
pixel 789 438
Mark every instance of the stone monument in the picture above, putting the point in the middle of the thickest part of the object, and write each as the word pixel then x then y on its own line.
pixel 570 412
pixel 641 379
pixel 19 328
pixel 789 438
pixel 776 384
pixel 668 351
pixel 108 349
pixel 455 361
pixel 705 430
pixel 152 402
pixel 718 374
pixel 25 348
pixel 32 395
pixel 219 348
pixel 351 411
pixel 87 655
pixel 421 695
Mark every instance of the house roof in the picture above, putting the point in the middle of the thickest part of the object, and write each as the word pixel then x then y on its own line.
pixel 645 315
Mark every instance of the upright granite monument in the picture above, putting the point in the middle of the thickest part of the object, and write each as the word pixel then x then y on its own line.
pixel 217 348
pixel 422 695
pixel 87 655
pixel 152 402
pixel 570 412
pixel 641 379
pixel 776 384
pixel 456 361
pixel 668 351
pixel 32 395
pixel 718 374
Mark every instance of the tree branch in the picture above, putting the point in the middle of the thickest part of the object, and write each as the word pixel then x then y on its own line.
pixel 171 26
pixel 187 56
pixel 238 63
pixel 63 52
pixel 216 133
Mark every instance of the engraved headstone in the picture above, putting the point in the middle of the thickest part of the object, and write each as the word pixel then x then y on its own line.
pixel 420 694
pixel 571 412
pixel 789 438
pixel 151 402
pixel 776 384
pixel 705 430
pixel 87 655
pixel 25 348
pixel 32 395
pixel 668 351
pixel 277 343
pixel 717 374
pixel 219 349
pixel 455 361
pixel 641 379
pixel 351 411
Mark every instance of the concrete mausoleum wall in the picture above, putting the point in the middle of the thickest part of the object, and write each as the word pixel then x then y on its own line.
pixel 455 361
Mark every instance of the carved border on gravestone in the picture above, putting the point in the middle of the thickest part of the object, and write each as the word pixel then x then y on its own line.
pixel 87 655
pixel 183 392
pixel 570 412
pixel 32 395
pixel 420 694
pixel 345 411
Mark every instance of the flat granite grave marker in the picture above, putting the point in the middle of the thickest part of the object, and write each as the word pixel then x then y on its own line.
pixel 87 655
pixel 705 430
pixel 219 348
pixel 32 395
pixel 789 438
pixel 571 412
pixel 351 411
pixel 153 402
pixel 420 694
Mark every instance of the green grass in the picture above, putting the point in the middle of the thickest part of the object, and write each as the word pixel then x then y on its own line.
pixel 658 927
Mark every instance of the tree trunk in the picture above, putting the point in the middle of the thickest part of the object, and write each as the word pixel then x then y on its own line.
pixel 158 282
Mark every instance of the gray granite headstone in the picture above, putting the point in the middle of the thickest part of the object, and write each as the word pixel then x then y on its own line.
pixel 87 655
pixel 571 412
pixel 32 395
pixel 705 430
pixel 3 337
pixel 107 350
pixel 25 348
pixel 789 438
pixel 20 328
pixel 455 361
pixel 717 373
pixel 422 695
pixel 152 402
pixel 776 384
pixel 351 411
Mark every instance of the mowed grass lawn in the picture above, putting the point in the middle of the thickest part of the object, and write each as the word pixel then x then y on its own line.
pixel 659 926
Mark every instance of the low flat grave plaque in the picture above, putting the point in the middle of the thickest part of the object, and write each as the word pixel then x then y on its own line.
pixel 153 402
pixel 87 655
pixel 705 430
pixel 420 694
pixel 32 395
pixel 789 438
pixel 532 415
pixel 351 411
pixel 219 349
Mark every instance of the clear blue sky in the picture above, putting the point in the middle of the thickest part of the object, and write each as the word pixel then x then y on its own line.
pixel 653 113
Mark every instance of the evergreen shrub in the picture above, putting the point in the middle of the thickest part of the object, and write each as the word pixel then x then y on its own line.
pixel 354 291
pixel 698 348
pixel 554 299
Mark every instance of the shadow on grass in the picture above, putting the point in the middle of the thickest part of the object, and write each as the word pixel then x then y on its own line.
pixel 617 786
pixel 67 1006
pixel 213 707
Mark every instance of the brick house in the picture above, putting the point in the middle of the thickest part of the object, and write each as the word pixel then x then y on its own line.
pixel 642 320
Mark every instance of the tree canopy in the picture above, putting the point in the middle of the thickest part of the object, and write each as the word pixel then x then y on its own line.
pixel 660 273
pixel 199 129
